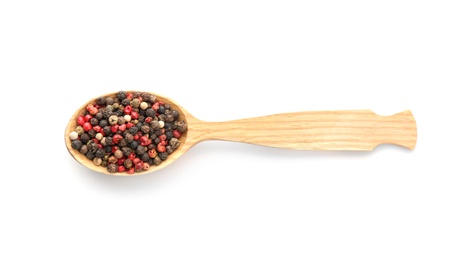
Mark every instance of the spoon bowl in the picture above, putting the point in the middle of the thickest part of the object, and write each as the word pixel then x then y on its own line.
pixel 360 130
pixel 82 159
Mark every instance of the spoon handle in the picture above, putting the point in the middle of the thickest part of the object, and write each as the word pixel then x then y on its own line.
pixel 316 130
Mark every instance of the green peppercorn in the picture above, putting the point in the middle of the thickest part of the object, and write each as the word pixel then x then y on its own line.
pixel 135 103
pixel 104 163
pixel 79 130
pixel 76 144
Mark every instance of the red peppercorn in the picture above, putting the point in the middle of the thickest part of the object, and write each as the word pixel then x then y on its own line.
pixel 136 161
pixel 162 137
pixel 161 148
pixel 87 126
pixel 127 110
pixel 80 120
pixel 97 128
pixel 129 125
pixel 176 133
pixel 152 153
pixel 131 156
pixel 161 103
pixel 122 128
pixel 148 119
pixel 121 168
pixel 146 166
pixel 95 140
pixel 144 140
pixel 120 161
pixel 114 128
pixel 100 146
pixel 137 136
pixel 134 115
pixel 139 166
pixel 88 117
pixel 129 96
pixel 117 138
pixel 131 171
pixel 155 106
pixel 114 148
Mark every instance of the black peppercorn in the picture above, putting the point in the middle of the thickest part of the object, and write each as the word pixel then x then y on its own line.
pixel 140 150
pixel 100 153
pixel 121 95
pixel 146 97
pixel 76 144
pixel 108 148
pixel 133 130
pixel 83 149
pixel 163 156
pixel 128 163
pixel 167 106
pixel 109 101
pixel 169 150
pixel 174 143
pixel 103 123
pixel 129 138
pixel 107 130
pixel 119 112
pixel 168 126
pixel 145 157
pixel 150 112
pixel 112 167
pixel 134 144
pixel 161 110
pixel 125 102
pixel 181 126
pixel 92 147
pixel 108 141
pixel 85 138
pixel 169 134
pixel 101 101
pixel 92 133
pixel 122 143
pixel 175 114
pixel 94 121
pixel 145 129
pixel 157 160
pixel 90 155
pixel 126 151
pixel 99 115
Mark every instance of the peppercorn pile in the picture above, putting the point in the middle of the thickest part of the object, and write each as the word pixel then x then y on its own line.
pixel 129 132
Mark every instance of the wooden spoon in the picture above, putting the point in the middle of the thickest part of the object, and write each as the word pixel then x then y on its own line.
pixel 314 130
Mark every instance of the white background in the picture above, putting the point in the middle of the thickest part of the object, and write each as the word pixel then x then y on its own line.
pixel 225 60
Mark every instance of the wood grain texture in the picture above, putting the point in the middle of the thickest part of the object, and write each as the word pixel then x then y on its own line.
pixel 315 130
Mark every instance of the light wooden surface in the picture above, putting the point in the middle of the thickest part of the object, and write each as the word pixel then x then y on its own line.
pixel 315 130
